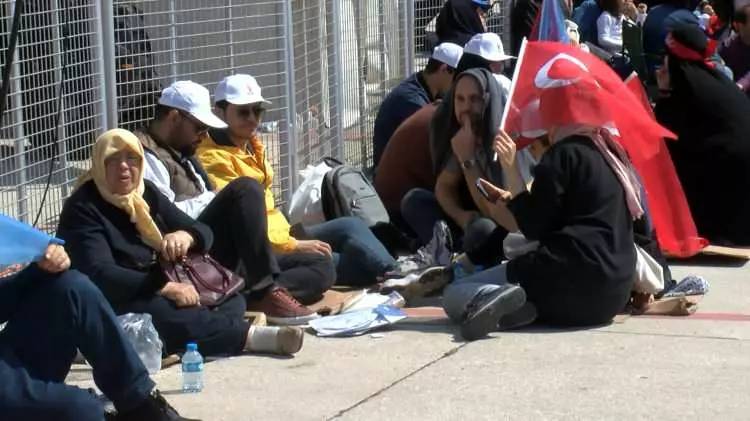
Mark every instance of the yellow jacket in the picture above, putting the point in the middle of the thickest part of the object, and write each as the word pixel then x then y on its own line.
pixel 226 163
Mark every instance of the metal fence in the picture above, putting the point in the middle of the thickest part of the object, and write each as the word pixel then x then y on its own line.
pixel 326 65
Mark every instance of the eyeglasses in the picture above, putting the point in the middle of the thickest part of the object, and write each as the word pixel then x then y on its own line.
pixel 132 159
pixel 198 127
pixel 257 110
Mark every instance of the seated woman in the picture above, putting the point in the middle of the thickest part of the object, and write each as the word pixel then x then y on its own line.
pixel 113 226
pixel 580 209
pixel 710 117
pixel 237 151
pixel 609 26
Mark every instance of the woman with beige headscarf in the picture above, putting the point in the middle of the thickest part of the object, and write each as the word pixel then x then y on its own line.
pixel 117 226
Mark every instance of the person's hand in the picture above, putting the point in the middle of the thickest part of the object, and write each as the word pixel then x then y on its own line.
pixel 176 245
pixel 183 295
pixel 55 259
pixel 505 148
pixel 463 142
pixel 315 247
pixel 495 193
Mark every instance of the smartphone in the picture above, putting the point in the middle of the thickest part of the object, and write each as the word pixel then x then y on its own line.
pixel 482 190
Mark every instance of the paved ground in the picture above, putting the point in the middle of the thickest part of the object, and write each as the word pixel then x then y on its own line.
pixel 643 368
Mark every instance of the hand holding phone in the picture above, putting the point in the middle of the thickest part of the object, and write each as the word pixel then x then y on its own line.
pixel 490 192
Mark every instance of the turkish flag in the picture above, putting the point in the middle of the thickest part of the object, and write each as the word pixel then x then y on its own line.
pixel 668 207
pixel 571 87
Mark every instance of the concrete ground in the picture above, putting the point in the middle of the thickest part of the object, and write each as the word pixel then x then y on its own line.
pixel 642 368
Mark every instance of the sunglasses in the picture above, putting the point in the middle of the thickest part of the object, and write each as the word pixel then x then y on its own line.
pixel 198 127
pixel 257 110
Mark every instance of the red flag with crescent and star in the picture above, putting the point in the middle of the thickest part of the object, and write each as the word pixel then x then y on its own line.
pixel 602 99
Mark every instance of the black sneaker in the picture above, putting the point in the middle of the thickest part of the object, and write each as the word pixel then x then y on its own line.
pixel 155 408
pixel 522 317
pixel 485 311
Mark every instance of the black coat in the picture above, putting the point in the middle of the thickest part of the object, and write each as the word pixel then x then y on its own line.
pixel 105 245
pixel 577 211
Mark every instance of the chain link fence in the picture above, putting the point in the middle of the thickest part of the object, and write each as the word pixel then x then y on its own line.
pixel 325 65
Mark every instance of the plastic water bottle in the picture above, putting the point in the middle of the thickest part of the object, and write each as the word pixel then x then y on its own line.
pixel 192 370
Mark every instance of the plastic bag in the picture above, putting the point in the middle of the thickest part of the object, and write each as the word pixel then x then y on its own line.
pixel 649 275
pixel 306 206
pixel 140 330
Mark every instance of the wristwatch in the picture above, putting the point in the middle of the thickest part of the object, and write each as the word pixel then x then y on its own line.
pixel 469 163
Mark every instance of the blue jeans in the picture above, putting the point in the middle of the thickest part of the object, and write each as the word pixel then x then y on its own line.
pixel 461 292
pixel 359 256
pixel 56 315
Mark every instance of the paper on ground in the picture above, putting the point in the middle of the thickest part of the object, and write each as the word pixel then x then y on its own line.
pixel 357 322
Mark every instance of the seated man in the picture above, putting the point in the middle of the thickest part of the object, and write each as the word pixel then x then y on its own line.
pixel 51 312
pixel 461 136
pixel 406 164
pixel 415 92
pixel 236 215
pixel 237 152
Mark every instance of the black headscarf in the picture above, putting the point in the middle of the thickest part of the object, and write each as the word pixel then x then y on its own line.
pixel 711 118
pixel 444 124
pixel 458 21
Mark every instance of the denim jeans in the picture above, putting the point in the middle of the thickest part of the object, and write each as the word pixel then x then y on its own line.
pixel 359 256
pixel 461 292
pixel 56 315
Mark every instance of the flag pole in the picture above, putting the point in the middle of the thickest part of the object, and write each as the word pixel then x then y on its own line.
pixel 512 89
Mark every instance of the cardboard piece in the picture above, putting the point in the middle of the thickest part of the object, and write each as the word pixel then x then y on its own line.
pixel 733 252
pixel 335 302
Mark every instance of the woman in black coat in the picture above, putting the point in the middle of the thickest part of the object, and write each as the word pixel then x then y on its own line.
pixel 711 118
pixel 113 225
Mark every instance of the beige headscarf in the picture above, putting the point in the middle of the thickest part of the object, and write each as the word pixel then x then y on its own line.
pixel 108 144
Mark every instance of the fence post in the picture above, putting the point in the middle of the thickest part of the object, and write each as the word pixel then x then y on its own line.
pixel 361 40
pixel 18 132
pixel 230 34
pixel 173 40
pixel 409 25
pixel 106 51
pixel 291 102
pixel 57 50
pixel 338 83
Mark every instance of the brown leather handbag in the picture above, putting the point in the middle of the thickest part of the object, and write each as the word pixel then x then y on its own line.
pixel 214 283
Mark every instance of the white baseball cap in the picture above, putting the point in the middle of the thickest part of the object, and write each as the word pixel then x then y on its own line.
pixel 448 53
pixel 239 90
pixel 192 98
pixel 488 45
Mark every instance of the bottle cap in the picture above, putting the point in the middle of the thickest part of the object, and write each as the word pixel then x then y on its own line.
pixel 192 346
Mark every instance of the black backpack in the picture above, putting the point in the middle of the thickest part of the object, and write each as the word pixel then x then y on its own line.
pixel 347 192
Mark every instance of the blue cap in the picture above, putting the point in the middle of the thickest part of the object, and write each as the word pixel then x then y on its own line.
pixel 192 346
pixel 484 4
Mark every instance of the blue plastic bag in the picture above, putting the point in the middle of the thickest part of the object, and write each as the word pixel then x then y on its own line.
pixel 21 244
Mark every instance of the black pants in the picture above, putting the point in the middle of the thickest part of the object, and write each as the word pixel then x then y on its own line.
pixel 483 242
pixel 218 331
pixel 55 315
pixel 307 276
pixel 237 217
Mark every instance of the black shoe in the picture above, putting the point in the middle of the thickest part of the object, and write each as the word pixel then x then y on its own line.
pixel 155 408
pixel 484 313
pixel 522 317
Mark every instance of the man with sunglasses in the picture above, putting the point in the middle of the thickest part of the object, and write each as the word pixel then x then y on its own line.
pixel 236 215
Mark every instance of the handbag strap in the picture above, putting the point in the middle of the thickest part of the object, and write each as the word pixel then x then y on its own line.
pixel 197 278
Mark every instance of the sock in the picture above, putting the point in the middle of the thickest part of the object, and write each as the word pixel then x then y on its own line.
pixel 262 339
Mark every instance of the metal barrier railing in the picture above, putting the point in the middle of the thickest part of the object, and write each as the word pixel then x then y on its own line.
pixel 326 65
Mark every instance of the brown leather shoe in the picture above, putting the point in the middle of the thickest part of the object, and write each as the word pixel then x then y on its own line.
pixel 281 308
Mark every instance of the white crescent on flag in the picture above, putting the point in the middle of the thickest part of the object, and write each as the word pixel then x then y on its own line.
pixel 544 80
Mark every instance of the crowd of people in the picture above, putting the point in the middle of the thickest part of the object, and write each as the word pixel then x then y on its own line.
pixel 197 179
